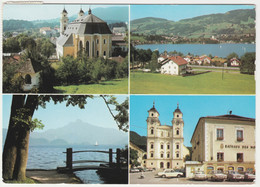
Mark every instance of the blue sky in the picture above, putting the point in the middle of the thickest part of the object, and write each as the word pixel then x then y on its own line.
pixel 44 12
pixel 178 12
pixel 192 107
pixel 55 116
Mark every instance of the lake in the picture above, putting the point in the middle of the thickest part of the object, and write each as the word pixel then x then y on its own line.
pixel 53 157
pixel 220 50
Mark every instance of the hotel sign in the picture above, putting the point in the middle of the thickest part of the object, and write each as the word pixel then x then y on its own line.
pixel 240 146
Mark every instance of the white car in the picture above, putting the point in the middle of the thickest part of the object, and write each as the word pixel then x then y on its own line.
pixel 200 176
pixel 168 173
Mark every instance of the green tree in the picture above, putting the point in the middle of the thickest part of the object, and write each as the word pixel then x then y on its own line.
pixel 248 63
pixel 11 45
pixel 232 55
pixel 133 158
pixel 15 153
pixel 154 64
pixel 47 48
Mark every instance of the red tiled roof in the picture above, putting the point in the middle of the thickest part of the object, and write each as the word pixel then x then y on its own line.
pixel 178 60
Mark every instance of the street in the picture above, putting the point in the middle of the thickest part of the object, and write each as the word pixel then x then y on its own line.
pixel 150 178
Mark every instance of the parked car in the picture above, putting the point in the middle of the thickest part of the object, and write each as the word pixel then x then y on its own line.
pixel 168 173
pixel 149 169
pixel 200 176
pixel 216 175
pixel 249 177
pixel 134 170
pixel 234 176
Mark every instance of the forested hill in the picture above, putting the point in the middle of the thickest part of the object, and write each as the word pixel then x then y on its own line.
pixel 138 140
pixel 232 22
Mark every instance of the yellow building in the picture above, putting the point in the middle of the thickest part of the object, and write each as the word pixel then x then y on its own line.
pixel 225 142
pixel 87 35
pixel 141 154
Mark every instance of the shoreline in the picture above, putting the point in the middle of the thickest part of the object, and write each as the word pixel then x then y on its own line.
pixel 52 177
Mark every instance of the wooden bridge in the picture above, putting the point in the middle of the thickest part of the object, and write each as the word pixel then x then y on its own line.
pixel 104 165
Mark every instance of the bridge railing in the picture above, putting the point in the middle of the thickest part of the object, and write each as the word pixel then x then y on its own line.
pixel 70 162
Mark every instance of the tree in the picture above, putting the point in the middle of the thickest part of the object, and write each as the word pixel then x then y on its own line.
pixel 11 45
pixel 15 153
pixel 248 63
pixel 133 158
pixel 232 55
pixel 154 63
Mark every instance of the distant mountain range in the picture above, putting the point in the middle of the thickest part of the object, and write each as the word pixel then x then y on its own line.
pixel 77 133
pixel 109 14
pixel 232 22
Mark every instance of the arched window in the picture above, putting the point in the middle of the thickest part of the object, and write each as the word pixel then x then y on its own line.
pixel 161 165
pixel 104 41
pixel 161 146
pixel 151 145
pixel 80 47
pixel 168 165
pixel 93 48
pixel 151 130
pixel 177 146
pixel 105 53
pixel 28 79
pixel 177 132
pixel 87 48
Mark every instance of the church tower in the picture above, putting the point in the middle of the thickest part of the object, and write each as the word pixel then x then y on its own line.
pixel 64 21
pixel 177 130
pixel 81 13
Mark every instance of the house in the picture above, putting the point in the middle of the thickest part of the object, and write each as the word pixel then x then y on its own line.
pixel 174 65
pixel 205 59
pixel 118 41
pixel 234 62
pixel 87 35
pixel 121 31
pixel 141 154
pixel 225 142
pixel 30 71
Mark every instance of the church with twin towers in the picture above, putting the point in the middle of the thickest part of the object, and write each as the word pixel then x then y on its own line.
pixel 87 34
pixel 165 148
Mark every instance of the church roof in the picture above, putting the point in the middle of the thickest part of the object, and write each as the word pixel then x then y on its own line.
pixel 177 109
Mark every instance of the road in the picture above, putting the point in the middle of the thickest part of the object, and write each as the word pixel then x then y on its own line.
pixel 150 178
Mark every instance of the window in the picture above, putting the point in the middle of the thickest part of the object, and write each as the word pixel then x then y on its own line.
pixel 151 155
pixel 151 145
pixel 177 155
pixel 161 165
pixel 240 157
pixel 220 157
pixel 240 135
pixel 168 155
pixel 97 41
pixel 151 131
pixel 97 53
pixel 152 114
pixel 104 41
pixel 177 132
pixel 28 79
pixel 161 146
pixel 168 165
pixel 168 146
pixel 105 53
pixel 240 169
pixel 177 116
pixel 209 169
pixel 177 146
pixel 220 134
pixel 161 155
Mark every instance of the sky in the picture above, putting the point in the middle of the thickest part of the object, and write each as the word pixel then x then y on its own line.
pixel 192 107
pixel 55 116
pixel 178 12
pixel 45 12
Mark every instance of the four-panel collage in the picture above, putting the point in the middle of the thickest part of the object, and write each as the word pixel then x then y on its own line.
pixel 128 93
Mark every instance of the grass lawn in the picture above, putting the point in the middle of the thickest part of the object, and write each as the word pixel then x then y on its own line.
pixel 117 86
pixel 207 83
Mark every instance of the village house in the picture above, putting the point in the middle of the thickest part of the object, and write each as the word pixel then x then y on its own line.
pixel 118 41
pixel 141 154
pixel 87 35
pixel 234 62
pixel 174 65
pixel 225 142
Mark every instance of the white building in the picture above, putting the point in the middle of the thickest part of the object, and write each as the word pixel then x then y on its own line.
pixel 165 147
pixel 174 65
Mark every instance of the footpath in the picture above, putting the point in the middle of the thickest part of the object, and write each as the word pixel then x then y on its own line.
pixel 52 177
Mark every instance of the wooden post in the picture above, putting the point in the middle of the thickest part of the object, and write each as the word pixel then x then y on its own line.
pixel 69 159
pixel 110 157
pixel 118 158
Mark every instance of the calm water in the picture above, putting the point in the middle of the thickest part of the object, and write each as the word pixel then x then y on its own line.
pixel 221 50
pixel 52 157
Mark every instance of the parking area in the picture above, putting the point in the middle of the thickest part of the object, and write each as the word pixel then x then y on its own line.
pixel 150 178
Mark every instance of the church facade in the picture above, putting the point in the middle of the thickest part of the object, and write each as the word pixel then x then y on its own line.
pixel 165 147
pixel 88 35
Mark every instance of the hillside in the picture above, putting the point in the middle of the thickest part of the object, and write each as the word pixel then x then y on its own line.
pixel 109 14
pixel 232 22
pixel 138 140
